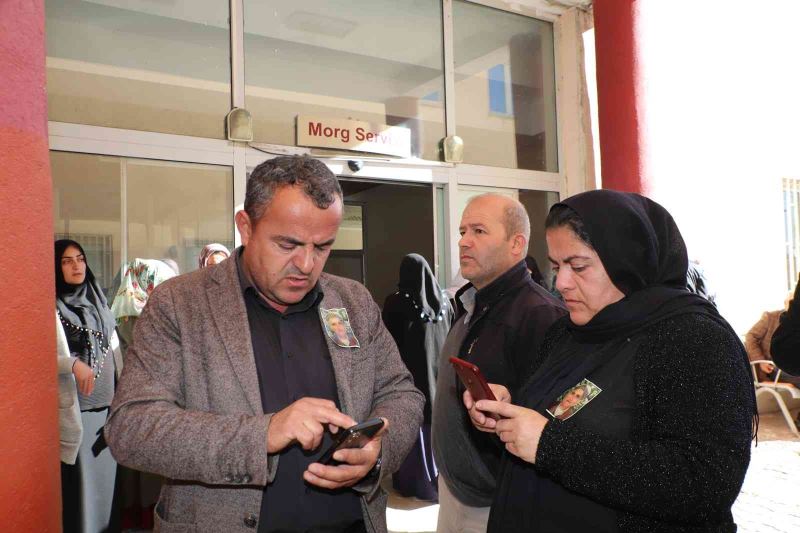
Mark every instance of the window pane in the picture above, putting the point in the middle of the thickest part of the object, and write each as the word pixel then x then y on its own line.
pixel 174 209
pixel 351 231
pixel 538 204
pixel 86 209
pixel 341 59
pixel 791 224
pixel 138 64
pixel 497 90
pixel 505 88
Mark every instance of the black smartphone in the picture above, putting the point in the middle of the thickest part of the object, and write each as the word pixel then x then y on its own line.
pixel 353 437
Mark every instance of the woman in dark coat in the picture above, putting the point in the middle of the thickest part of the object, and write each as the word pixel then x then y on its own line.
pixel 138 490
pixel 87 487
pixel 418 316
pixel 663 442
pixel 533 268
pixel 785 346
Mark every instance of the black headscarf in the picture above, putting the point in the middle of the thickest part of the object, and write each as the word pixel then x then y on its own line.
pixel 417 279
pixel 418 316
pixel 533 266
pixel 82 305
pixel 644 254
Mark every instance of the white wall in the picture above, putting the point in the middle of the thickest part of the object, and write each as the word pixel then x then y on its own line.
pixel 722 116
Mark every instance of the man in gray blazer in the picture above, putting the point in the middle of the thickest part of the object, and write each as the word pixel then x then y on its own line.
pixel 235 380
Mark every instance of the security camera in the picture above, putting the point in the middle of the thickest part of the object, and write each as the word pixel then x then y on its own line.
pixel 354 165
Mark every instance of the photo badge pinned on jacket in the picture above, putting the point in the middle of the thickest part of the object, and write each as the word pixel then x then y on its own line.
pixel 337 326
pixel 573 400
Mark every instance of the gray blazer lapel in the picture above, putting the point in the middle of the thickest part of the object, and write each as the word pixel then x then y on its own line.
pixel 230 316
pixel 342 358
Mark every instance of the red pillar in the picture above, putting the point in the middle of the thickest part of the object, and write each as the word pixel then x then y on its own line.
pixel 620 95
pixel 30 491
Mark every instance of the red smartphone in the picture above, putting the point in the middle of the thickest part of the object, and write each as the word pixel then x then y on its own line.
pixel 472 379
pixel 353 437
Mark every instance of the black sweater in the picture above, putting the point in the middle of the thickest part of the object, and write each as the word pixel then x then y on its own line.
pixel 785 347
pixel 685 462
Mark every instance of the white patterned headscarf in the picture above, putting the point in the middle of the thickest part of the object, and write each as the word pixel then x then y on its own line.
pixel 140 278
pixel 209 250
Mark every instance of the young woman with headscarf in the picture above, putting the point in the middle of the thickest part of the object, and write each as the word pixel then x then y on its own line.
pixel 665 443
pixel 139 490
pixel 418 316
pixel 88 326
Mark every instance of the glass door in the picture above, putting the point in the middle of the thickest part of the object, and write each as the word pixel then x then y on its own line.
pixel 383 222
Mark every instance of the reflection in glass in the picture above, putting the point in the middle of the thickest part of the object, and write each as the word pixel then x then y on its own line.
pixel 139 64
pixel 351 231
pixel 347 257
pixel 173 209
pixel 505 88
pixel 538 204
pixel 341 59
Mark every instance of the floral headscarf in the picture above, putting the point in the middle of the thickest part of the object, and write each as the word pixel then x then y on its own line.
pixel 140 278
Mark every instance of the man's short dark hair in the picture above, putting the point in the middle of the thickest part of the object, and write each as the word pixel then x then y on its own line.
pixel 316 179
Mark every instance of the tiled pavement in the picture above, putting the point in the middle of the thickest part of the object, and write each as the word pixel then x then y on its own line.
pixel 770 498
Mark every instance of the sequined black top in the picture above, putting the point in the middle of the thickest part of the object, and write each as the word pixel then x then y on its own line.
pixel 80 341
pixel 683 463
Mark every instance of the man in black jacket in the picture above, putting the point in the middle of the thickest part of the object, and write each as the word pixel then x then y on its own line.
pixel 785 347
pixel 502 316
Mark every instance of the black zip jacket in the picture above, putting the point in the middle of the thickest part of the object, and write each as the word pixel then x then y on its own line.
pixel 502 338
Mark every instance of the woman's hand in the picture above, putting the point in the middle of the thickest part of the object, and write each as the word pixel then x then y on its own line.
pixel 84 377
pixel 479 419
pixel 519 428
pixel 765 367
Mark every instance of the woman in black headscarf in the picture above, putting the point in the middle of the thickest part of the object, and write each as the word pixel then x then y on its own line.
pixel 660 440
pixel 533 268
pixel 87 485
pixel 418 316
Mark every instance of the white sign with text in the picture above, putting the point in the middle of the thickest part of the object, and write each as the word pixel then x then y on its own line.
pixel 319 132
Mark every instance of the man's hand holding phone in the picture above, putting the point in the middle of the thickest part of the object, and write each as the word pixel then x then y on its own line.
pixel 481 420
pixel 304 422
pixel 354 463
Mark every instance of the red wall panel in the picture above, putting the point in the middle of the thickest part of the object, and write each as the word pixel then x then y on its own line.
pixel 29 483
pixel 619 94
